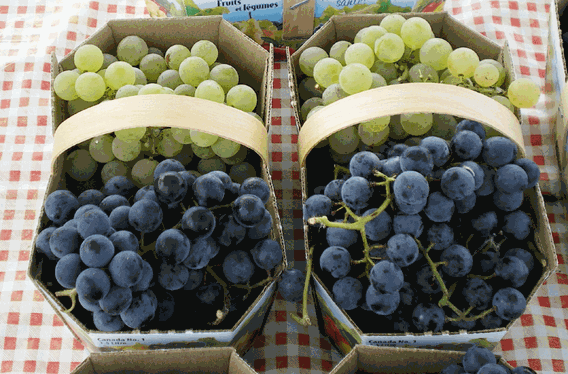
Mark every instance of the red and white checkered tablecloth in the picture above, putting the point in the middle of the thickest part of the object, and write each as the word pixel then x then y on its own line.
pixel 34 340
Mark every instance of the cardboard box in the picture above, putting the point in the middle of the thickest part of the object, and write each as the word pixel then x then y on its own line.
pixel 393 100
pixel 383 360
pixel 182 361
pixel 255 68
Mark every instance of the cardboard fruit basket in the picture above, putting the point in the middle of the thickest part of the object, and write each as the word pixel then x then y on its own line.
pixel 379 360
pixel 394 100
pixel 183 361
pixel 160 111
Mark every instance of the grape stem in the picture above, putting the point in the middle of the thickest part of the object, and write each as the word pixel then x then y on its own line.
pixel 305 320
pixel 72 293
pixel 221 314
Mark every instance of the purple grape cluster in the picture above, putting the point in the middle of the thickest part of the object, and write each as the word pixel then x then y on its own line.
pixel 440 218
pixel 137 257
pixel 481 360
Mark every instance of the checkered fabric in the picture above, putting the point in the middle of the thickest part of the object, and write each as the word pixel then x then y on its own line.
pixel 34 340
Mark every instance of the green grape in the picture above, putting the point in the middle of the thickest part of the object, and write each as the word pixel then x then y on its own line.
pixel 140 78
pixel 210 90
pixel 330 95
pixel 376 124
pixel 131 135
pixel 434 52
pixel 308 88
pixel 193 70
pixel 463 62
pixel 77 105
pixel 215 64
pixel 378 81
pixel 119 74
pixel 185 156
pixel 338 49
pixel 444 126
pixel 344 141
pixel 202 139
pixel 107 60
pixel 131 49
pixel 168 91
pixel 257 117
pixel 416 124
pixel 315 109
pixel 326 71
pixel 397 132
pixel 360 53
pixel 204 166
pixel 225 75
pixel 242 97
pixel 102 73
pixel 151 89
pixel 84 144
pixel 202 152
pixel 77 71
pixel 369 35
pixel 486 75
pixel 450 79
pixel 126 151
pixel 115 168
pixel 241 171
pixel 81 165
pixel 411 56
pixel 309 58
pixel 393 23
pixel 523 93
pixel 100 148
pixel 64 85
pixel 139 86
pixel 89 58
pixel 502 71
pixel 182 136
pixel 225 148
pixel 355 78
pixel 446 73
pixel 175 55
pixel 386 70
pixel 237 158
pixel 152 66
pixel 185 89
pixel 371 137
pixel 415 31
pixel 143 172
pixel 126 91
pixel 167 145
pixel 389 48
pixel 504 101
pixel 357 38
pixel 155 51
pixel 422 73
pixel 206 50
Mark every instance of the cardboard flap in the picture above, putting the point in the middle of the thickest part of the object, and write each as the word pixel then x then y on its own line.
pixel 407 98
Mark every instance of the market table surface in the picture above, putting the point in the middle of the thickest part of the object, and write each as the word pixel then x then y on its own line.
pixel 33 338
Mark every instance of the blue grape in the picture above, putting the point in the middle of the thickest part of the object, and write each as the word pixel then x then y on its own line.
pixel 194 280
pixel 508 202
pixel 466 205
pixel 111 202
pixel 72 223
pixel 462 324
pixel 510 178
pixel 513 270
pixel 470 125
pixel 209 294
pixel 119 218
pixel 408 224
pixel 42 242
pixel 523 255
pixel 291 285
pixel 333 189
pixel 116 301
pixel 363 164
pixel 93 197
pixel 411 192
pixel 248 210
pixel 517 224
pixel 499 151
pixel 145 216
pixel 200 252
pixel 90 305
pixel 170 188
pixel 93 284
pixel 485 262
pixel 168 165
pixel 402 250
pixel 60 206
pixel 440 234
pixel 68 269
pixel 173 276
pixel 336 260
pixel 316 206
pixel 238 267
pixel 189 179
pixel 80 213
pixel 105 322
pixel 141 310
pixel 485 223
pixel 125 268
pixel 488 186
pixel 381 303
pixel 379 227
pixel 531 169
pixel 391 166
pixel 119 185
pixel 459 261
pixel 428 317
pixel 255 186
pixel 466 145
pixel 93 222
pixel 228 232
pixel 96 251
pixel 438 149
pixel 397 150
pixel 347 292
pixel 223 177
pixel 457 183
pixel 267 254
pixel 172 246
pixel 453 369
pixel 340 237
pixel 476 170
pixel 439 208
pixel 407 294
pixel 477 293
pixel 475 357
pixel 64 240
pixel 417 158
pixel 198 222
pixel 491 321
pixel 492 369
pixel 426 281
pixel 356 193
pixel 386 276
pixel 146 192
pixel 166 307
pixel 124 240
pixel 260 230
pixel 146 279
pixel 510 304
pixel 208 190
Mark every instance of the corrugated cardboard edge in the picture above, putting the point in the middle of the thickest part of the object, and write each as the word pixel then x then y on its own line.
pixel 399 360
pixel 298 18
